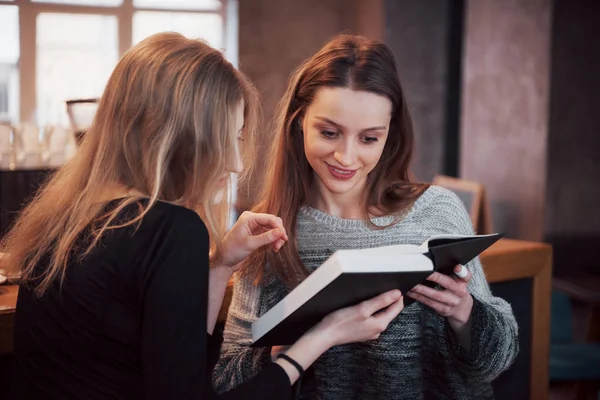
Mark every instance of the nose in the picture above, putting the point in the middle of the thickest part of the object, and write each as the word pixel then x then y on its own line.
pixel 235 165
pixel 345 154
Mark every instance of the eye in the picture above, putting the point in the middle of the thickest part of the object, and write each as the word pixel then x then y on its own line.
pixel 329 134
pixel 240 138
pixel 369 139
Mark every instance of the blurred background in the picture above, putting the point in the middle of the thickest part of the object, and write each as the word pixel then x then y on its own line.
pixel 504 94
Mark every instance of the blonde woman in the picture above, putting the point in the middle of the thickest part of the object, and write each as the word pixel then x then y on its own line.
pixel 117 300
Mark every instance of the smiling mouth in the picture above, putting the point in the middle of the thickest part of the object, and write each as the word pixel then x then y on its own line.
pixel 341 173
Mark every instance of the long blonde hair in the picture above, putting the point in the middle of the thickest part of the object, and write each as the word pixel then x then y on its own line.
pixel 163 129
pixel 346 61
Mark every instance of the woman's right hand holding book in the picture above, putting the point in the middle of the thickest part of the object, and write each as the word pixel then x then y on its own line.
pixel 359 323
pixel 362 322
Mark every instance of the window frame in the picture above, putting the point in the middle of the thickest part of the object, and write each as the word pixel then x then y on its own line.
pixel 29 10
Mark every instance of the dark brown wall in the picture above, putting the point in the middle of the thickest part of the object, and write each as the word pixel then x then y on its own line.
pixel 275 36
pixel 504 121
pixel 417 33
pixel 573 189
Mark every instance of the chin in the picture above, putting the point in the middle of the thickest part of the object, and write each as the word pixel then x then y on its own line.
pixel 337 187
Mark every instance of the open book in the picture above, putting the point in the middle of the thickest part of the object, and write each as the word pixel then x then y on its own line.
pixel 349 277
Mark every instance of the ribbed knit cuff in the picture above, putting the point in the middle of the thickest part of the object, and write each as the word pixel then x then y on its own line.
pixel 469 360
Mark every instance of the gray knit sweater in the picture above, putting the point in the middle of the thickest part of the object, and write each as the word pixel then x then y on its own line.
pixel 418 356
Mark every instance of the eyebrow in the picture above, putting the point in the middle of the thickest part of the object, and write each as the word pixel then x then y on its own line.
pixel 374 128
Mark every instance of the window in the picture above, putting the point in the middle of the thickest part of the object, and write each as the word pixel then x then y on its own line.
pixel 58 50
pixel 206 5
pixel 101 3
pixel 9 62
pixel 74 57
pixel 194 25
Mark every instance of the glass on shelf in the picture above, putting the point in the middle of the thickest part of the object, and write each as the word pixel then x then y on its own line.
pixel 27 146
pixel 81 114
pixel 20 144
pixel 7 146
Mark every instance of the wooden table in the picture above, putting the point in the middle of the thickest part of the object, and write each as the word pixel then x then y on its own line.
pixel 8 298
pixel 507 260
pixel 8 303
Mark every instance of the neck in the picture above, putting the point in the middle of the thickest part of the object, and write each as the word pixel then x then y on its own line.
pixel 344 205
pixel 117 191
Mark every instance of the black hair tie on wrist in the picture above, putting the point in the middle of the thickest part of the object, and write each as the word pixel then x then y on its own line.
pixel 293 362
pixel 298 367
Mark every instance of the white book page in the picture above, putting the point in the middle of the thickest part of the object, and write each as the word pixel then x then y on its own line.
pixel 405 258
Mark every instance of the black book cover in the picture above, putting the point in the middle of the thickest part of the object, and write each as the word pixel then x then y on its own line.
pixel 447 253
pixel 349 289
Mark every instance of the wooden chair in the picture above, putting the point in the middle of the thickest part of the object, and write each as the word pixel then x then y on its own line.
pixel 521 273
pixel 473 196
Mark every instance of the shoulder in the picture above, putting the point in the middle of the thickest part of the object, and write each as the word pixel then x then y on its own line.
pixel 166 217
pixel 171 241
pixel 441 207
pixel 164 229
pixel 441 198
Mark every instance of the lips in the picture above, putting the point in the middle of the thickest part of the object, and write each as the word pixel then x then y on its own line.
pixel 341 174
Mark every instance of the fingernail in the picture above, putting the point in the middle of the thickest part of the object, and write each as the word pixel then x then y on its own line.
pixel 462 273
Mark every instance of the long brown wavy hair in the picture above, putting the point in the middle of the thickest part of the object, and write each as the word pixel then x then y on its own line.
pixel 163 130
pixel 346 61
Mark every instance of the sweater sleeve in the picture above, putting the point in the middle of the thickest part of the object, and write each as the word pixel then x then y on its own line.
pixel 494 330
pixel 494 344
pixel 271 383
pixel 239 361
pixel 177 353
pixel 174 303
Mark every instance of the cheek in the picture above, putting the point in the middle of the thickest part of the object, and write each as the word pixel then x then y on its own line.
pixel 313 157
pixel 314 149
pixel 372 156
